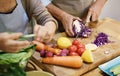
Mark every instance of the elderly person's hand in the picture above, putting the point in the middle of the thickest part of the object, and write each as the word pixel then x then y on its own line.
pixel 64 17
pixel 95 10
pixel 45 33
pixel 67 21
pixel 10 43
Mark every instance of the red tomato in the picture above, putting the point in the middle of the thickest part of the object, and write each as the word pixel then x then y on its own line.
pixel 75 42
pixel 73 48
pixel 73 54
pixel 80 46
pixel 80 51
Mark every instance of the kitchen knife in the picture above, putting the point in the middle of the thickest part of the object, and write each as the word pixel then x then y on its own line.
pixel 24 37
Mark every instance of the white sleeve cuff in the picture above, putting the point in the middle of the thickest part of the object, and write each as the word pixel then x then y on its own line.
pixel 46 2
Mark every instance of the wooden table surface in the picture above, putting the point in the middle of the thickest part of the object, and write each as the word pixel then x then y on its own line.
pixel 108 26
pixel 95 72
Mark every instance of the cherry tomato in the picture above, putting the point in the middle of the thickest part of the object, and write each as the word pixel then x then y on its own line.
pixel 80 46
pixel 73 48
pixel 80 51
pixel 73 54
pixel 75 42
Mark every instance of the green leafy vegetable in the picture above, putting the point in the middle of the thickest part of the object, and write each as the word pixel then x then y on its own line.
pixel 13 64
pixel 9 58
pixel 12 70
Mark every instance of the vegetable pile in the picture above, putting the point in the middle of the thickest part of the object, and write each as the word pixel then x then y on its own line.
pixel 76 49
pixel 42 48
pixel 13 64
pixel 80 29
pixel 69 57
pixel 101 39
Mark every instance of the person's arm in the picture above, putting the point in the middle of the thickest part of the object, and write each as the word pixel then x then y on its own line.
pixel 10 43
pixel 64 17
pixel 35 8
pixel 55 11
pixel 95 10
pixel 46 2
pixel 44 18
pixel 45 33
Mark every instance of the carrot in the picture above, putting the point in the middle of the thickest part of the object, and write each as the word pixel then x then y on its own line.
pixel 41 46
pixel 68 61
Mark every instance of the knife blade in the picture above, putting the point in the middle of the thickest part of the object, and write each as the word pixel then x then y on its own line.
pixel 77 35
pixel 24 37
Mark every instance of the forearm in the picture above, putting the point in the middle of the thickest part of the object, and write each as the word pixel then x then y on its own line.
pixel 55 11
pixel 36 9
pixel 101 2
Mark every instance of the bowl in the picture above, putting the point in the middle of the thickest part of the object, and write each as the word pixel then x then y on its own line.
pixel 39 73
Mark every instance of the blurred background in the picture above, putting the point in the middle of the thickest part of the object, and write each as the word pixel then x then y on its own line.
pixel 111 9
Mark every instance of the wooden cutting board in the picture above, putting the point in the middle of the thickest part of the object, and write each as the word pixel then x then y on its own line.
pixel 108 26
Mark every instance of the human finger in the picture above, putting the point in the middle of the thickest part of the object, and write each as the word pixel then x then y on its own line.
pixel 71 31
pixel 48 38
pixel 94 17
pixel 15 43
pixel 41 35
pixel 15 35
pixel 36 30
pixel 69 28
pixel 14 46
pixel 77 18
pixel 68 32
pixel 89 15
